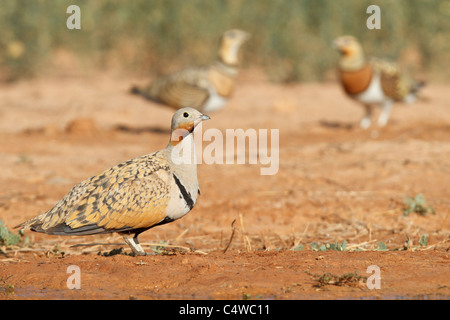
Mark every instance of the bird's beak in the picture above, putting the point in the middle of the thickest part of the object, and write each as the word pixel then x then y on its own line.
pixel 204 117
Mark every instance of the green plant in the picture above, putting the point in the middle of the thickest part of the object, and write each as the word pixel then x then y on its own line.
pixel 329 246
pixel 381 246
pixel 246 296
pixel 8 238
pixel 423 241
pixel 417 204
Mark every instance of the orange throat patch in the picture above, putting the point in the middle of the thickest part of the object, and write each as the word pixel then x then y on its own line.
pixel 180 132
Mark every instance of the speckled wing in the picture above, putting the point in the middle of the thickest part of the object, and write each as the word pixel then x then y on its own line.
pixel 133 195
pixel 394 84
pixel 185 88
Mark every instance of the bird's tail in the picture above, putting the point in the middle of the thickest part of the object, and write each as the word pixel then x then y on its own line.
pixel 417 86
pixel 413 94
pixel 135 90
pixel 27 224
pixel 147 92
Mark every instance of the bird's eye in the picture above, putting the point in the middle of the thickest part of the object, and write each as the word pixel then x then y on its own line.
pixel 185 114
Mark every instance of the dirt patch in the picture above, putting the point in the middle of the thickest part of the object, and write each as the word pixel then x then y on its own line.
pixel 249 236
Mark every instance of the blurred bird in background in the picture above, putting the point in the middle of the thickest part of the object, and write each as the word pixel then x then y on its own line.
pixel 205 88
pixel 372 81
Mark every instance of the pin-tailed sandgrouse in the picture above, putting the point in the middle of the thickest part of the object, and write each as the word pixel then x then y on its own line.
pixel 372 82
pixel 205 88
pixel 133 196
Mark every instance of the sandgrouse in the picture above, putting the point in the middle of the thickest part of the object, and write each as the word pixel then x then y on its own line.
pixel 133 196
pixel 372 82
pixel 205 88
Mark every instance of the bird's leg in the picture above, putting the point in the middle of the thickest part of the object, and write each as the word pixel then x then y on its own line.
pixel 133 242
pixel 366 120
pixel 385 113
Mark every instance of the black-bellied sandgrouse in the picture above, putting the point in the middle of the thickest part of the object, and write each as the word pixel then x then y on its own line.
pixel 133 196
pixel 372 82
pixel 205 88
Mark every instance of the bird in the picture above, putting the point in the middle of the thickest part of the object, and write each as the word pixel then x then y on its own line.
pixel 132 196
pixel 373 81
pixel 205 88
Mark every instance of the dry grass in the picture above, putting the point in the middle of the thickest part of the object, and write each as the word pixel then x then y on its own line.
pixel 243 241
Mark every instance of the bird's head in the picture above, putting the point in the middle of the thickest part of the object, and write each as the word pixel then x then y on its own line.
pixel 184 122
pixel 230 43
pixel 352 55
pixel 348 46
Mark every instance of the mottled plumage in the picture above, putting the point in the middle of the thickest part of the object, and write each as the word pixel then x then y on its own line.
pixel 133 196
pixel 374 81
pixel 205 88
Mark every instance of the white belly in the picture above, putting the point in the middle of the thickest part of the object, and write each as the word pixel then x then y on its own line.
pixel 374 93
pixel 178 206
pixel 183 181
pixel 214 102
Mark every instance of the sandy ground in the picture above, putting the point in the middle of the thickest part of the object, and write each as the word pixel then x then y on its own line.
pixel 249 235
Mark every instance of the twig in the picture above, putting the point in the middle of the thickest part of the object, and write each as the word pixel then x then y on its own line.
pixel 151 244
pixel 143 244
pixel 233 230
pixel 4 252
pixel 445 219
pixel 301 237
pixel 248 245
pixel 96 244
pixel 181 234
pixel 433 246
pixel 360 244
pixel 31 249
pixel 13 260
